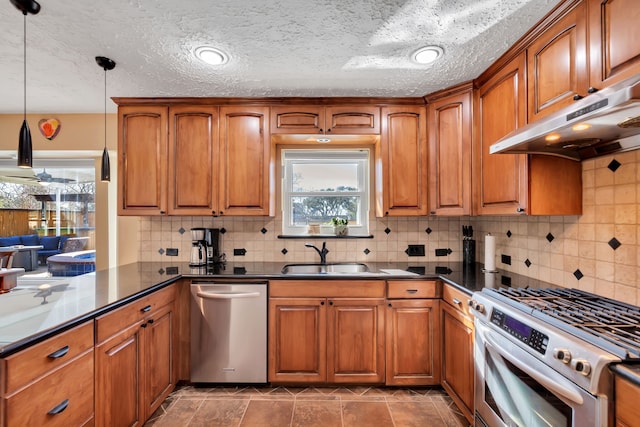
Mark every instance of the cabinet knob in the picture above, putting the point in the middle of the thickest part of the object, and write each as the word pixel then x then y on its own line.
pixel 328 130
pixel 144 325
pixel 577 97
pixel 386 213
pixel 213 213
pixel 390 305
pixel 150 321
pixel 330 302
pixel 60 407
pixel 520 210
pixel 321 131
pixel 433 212
pixel 162 212
pixel 221 212
pixel 321 302
pixel 592 89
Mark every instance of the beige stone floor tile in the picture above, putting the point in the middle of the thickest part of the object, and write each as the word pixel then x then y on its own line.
pixel 358 414
pixel 264 413
pixel 219 413
pixel 317 414
pixel 180 414
pixel 415 414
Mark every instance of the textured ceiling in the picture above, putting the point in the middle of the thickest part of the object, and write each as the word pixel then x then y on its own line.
pixel 276 48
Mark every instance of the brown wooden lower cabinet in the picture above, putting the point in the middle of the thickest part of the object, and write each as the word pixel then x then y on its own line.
pixel 135 364
pixel 626 400
pixel 457 351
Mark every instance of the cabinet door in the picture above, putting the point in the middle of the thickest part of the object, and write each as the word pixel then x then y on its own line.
pixel 413 342
pixel 557 65
pixel 501 179
pixel 158 350
pixel 118 379
pixel 449 127
pixel 355 341
pixel 457 358
pixel 297 340
pixel 193 160
pixel 142 160
pixel 614 32
pixel 403 153
pixel 244 161
pixel 354 120
pixel 627 409
pixel 297 119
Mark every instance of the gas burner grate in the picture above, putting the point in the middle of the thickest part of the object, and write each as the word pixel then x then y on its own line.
pixel 572 309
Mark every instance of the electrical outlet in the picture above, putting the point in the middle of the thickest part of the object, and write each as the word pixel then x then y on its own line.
pixel 505 280
pixel 443 252
pixel 172 251
pixel 172 270
pixel 239 252
pixel 415 250
pixel 506 259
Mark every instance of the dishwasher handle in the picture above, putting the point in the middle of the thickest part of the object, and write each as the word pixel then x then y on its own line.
pixel 218 295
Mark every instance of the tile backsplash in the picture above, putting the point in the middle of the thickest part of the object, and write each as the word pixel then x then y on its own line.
pixel 596 252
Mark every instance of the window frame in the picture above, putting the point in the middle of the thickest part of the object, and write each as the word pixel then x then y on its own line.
pixel 360 156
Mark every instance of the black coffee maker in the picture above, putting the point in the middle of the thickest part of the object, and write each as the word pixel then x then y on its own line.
pixel 212 245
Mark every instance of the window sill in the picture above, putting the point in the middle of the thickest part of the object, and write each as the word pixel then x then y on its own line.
pixel 322 236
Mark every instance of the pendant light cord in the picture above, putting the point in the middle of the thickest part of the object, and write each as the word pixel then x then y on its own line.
pixel 105 108
pixel 24 45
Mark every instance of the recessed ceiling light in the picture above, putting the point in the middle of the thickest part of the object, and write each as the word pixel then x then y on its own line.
pixel 211 55
pixel 427 54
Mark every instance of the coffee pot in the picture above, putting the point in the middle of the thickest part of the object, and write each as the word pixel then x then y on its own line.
pixel 198 256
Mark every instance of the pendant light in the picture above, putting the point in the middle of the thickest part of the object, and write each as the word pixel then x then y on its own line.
pixel 25 150
pixel 105 173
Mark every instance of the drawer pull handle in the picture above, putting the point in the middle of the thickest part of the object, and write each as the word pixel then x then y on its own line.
pixel 59 353
pixel 456 301
pixel 145 308
pixel 412 291
pixel 59 408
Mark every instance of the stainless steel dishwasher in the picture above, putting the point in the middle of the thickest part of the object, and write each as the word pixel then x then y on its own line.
pixel 228 332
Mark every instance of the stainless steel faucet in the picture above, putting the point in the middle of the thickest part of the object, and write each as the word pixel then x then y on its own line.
pixel 323 253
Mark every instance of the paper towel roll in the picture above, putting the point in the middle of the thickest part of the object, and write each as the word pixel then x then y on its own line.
pixel 489 252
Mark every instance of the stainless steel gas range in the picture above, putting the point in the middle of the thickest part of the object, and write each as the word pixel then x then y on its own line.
pixel 542 356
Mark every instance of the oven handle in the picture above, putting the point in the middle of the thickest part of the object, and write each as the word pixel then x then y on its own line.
pixel 209 295
pixel 561 387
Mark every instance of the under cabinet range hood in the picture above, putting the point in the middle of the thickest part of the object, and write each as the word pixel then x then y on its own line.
pixel 602 123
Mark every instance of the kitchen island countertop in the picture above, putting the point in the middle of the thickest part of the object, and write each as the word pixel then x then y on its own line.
pixel 43 306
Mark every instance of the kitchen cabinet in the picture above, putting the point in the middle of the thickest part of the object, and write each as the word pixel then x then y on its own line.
pixel 557 72
pixel 142 160
pixel 317 119
pixel 135 359
pixel 626 399
pixel 457 349
pixel 401 163
pixel 326 331
pixel 245 161
pixel 614 51
pixel 50 383
pixel 449 126
pixel 193 160
pixel 518 183
pixel 413 333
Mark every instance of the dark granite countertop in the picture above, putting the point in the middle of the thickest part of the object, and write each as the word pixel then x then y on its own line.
pixel 41 307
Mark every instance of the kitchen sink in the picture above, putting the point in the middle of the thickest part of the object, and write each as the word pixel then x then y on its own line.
pixel 337 268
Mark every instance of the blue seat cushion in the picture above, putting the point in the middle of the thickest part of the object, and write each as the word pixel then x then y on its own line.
pixel 10 241
pixel 30 240
pixel 50 242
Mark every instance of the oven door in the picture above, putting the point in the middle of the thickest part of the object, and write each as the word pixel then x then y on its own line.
pixel 514 388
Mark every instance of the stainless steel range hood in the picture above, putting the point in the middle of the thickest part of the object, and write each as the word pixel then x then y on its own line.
pixel 602 123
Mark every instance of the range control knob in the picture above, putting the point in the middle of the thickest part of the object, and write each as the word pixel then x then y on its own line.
pixel 582 367
pixel 476 306
pixel 562 355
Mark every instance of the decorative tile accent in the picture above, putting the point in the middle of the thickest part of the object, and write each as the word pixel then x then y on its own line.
pixel 366 251
pixel 181 230
pixel 527 262
pixel 578 274
pixel 614 165
pixel 614 243
pixel 263 231
pixel 161 251
pixel 387 230
pixel 223 230
pixel 428 230
pixel 509 233
pixel 284 251
pixel 161 272
pixel 550 237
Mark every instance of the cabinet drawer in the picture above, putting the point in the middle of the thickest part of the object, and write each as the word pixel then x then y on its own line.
pixel 327 288
pixel 67 391
pixel 27 365
pixel 414 289
pixel 457 298
pixel 117 320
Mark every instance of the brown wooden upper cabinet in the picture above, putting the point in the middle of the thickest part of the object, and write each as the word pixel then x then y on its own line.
pixel 614 51
pixel 402 188
pixel 518 183
pixel 142 160
pixel 245 152
pixel 449 127
pixel 317 119
pixel 557 65
pixel 193 160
